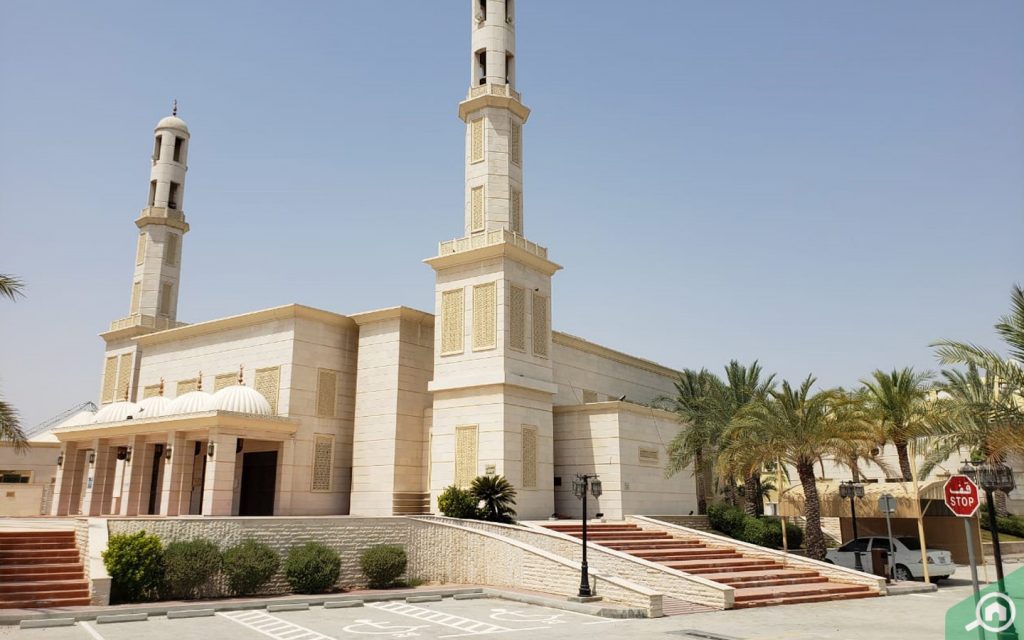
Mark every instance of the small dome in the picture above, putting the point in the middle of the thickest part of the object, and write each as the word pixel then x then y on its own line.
pixel 117 412
pixel 172 122
pixel 192 402
pixel 82 417
pixel 242 399
pixel 154 407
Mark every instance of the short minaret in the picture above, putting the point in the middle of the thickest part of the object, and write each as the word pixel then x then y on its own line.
pixel 493 386
pixel 153 302
pixel 154 294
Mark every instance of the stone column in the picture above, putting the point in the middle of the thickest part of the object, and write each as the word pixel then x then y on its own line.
pixel 102 477
pixel 174 474
pixel 219 489
pixel 64 483
pixel 132 489
pixel 285 473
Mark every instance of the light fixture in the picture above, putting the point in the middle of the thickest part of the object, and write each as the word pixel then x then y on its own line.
pixel 210 448
pixel 92 457
pixel 60 460
pixel 167 452
pixel 127 454
pixel 595 488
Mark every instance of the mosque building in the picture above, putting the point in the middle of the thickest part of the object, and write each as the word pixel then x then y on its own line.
pixel 300 411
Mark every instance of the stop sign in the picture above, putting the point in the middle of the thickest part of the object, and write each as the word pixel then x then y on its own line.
pixel 962 496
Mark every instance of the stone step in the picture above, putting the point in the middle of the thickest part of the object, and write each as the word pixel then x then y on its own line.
pixel 41 568
pixel 20 545
pixel 775 582
pixel 593 527
pixel 73 573
pixel 833 589
pixel 804 599
pixel 18 588
pixel 37 535
pixel 40 601
pixel 696 554
pixel 32 556
pixel 625 535
pixel 734 578
pixel 701 567
pixel 669 543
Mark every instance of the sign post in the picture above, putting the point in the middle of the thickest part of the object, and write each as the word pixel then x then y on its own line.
pixel 887 505
pixel 963 499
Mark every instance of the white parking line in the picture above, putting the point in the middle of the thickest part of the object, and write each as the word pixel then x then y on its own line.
pixel 466 625
pixel 272 626
pixel 89 629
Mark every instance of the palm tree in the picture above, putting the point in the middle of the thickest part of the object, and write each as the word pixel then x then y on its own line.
pixel 797 427
pixel 497 497
pixel 744 386
pixel 10 424
pixel 697 402
pixel 897 402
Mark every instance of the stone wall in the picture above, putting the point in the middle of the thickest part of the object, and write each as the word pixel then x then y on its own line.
pixel 831 571
pixel 658 577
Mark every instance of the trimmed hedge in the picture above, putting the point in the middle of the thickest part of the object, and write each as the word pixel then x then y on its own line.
pixel 312 568
pixel 383 564
pixel 189 566
pixel 249 566
pixel 764 531
pixel 458 503
pixel 135 562
pixel 1012 525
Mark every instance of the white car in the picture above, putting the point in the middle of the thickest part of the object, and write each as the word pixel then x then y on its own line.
pixel 907 561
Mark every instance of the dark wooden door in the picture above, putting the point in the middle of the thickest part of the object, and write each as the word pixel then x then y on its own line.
pixel 259 480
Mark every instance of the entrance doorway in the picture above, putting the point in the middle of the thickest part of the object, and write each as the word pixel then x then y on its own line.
pixel 259 479
pixel 154 479
pixel 195 502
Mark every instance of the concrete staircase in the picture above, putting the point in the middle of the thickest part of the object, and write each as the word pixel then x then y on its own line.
pixel 758 582
pixel 41 569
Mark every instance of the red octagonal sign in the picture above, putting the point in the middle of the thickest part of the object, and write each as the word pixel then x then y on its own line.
pixel 962 496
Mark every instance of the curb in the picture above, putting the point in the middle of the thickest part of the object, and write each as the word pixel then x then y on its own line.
pixel 910 587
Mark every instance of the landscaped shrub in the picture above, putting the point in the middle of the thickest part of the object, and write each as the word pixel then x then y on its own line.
pixel 773 534
pixel 766 532
pixel 457 503
pixel 312 568
pixel 1012 525
pixel 497 498
pixel 383 564
pixel 754 532
pixel 726 519
pixel 249 566
pixel 135 563
pixel 188 567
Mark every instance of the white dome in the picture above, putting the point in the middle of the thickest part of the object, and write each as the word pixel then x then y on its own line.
pixel 242 399
pixel 172 122
pixel 117 412
pixel 192 402
pixel 154 407
pixel 82 417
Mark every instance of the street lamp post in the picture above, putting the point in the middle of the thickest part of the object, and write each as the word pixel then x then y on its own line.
pixel 991 477
pixel 579 489
pixel 850 489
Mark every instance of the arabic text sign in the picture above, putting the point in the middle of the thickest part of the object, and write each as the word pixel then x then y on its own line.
pixel 962 496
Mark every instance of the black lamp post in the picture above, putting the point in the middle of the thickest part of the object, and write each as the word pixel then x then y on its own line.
pixel 579 489
pixel 991 477
pixel 850 489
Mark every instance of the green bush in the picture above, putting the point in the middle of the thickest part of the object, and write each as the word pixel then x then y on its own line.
pixel 312 568
pixel 383 564
pixel 766 532
pixel 188 567
pixel 249 566
pixel 457 503
pixel 727 519
pixel 135 563
pixel 1012 525
pixel 754 531
pixel 773 534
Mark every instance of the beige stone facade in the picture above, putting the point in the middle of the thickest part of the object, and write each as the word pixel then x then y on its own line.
pixel 295 411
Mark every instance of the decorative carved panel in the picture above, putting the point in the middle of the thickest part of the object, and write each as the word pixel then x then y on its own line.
pixel 166 289
pixel 648 456
pixel 140 250
pixel 541 331
pixel 517 211
pixel 466 453
pixel 225 380
pixel 136 297
pixel 517 317
pixel 326 393
pixel 124 375
pixel 150 391
pixel 186 386
pixel 109 380
pixel 476 208
pixel 453 312
pixel 529 457
pixel 268 382
pixel 515 143
pixel 323 461
pixel 171 247
pixel 485 327
pixel 476 140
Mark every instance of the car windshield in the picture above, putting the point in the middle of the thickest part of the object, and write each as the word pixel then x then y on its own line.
pixel 911 543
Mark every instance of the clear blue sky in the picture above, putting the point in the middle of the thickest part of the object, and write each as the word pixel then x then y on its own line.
pixel 825 186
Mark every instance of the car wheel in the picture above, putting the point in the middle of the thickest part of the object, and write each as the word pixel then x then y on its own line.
pixel 903 574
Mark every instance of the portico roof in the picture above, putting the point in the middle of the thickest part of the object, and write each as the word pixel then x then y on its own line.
pixel 241 424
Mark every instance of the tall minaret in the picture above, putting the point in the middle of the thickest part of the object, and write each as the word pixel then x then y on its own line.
pixel 161 226
pixel 153 303
pixel 493 386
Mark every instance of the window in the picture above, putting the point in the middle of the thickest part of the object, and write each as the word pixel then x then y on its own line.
pixel 323 462
pixel 136 297
pixel 156 147
pixel 481 67
pixel 510 15
pixel 453 311
pixel 510 69
pixel 476 208
pixel 268 383
pixel 529 457
pixel 140 249
pixel 172 196
pixel 326 393
pixel 152 193
pixel 15 477
pixel 515 144
pixel 171 246
pixel 178 144
pixel 860 544
pixel 880 543
pixel 484 320
pixel 166 293
pixel 481 11
pixel 465 455
pixel 476 140
pixel 540 325
pixel 516 317
pixel 913 544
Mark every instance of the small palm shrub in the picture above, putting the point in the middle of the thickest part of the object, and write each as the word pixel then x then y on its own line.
pixel 249 566
pixel 383 564
pixel 189 566
pixel 457 503
pixel 135 563
pixel 312 568
pixel 497 497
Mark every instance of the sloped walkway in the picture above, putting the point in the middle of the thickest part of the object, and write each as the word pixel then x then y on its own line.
pixel 758 582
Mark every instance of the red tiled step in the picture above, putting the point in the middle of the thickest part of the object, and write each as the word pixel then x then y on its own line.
pixel 20 545
pixel 683 557
pixel 37 535
pixel 14 589
pixel 798 590
pixel 40 602
pixel 28 556
pixel 804 599
pixel 645 544
pixel 738 579
pixel 593 527
pixel 624 535
pixel 701 567
pixel 7 570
